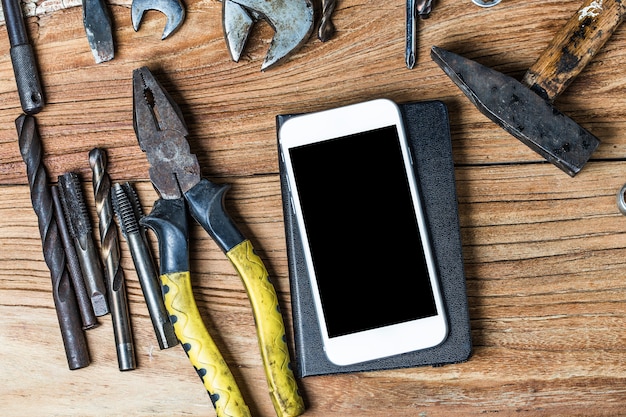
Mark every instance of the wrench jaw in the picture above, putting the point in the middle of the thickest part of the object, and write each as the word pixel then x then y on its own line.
pixel 292 21
pixel 173 10
pixel 237 24
pixel 284 44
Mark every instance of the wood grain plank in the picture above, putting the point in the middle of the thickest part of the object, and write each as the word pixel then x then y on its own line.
pixel 543 253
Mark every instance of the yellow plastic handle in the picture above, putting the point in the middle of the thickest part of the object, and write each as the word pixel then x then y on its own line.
pixel 270 330
pixel 200 347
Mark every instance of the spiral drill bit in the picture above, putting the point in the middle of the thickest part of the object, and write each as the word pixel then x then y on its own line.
pixel 109 246
pixel 129 211
pixel 62 292
pixel 327 27
pixel 79 225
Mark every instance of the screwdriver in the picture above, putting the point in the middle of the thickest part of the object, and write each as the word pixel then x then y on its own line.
pixel 414 9
pixel 22 58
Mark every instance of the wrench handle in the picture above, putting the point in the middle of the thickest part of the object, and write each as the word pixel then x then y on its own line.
pixel 574 46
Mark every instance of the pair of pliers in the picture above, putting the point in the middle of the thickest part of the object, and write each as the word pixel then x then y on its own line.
pixel 175 173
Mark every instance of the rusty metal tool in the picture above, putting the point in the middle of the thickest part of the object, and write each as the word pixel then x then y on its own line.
pixel 23 59
pixel 292 21
pixel 173 10
pixel 73 266
pixel 109 246
pixel 81 231
pixel 128 212
pixel 97 23
pixel 175 173
pixel 70 322
pixel 524 109
pixel 414 9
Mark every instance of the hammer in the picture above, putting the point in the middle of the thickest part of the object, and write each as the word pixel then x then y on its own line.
pixel 524 109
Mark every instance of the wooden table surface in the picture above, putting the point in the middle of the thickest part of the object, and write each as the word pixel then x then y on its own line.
pixel 544 253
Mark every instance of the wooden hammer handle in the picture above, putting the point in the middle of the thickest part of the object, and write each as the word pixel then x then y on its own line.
pixel 574 46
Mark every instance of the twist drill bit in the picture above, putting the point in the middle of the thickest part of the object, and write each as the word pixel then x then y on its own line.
pixel 64 299
pixel 73 266
pixel 109 246
pixel 129 211
pixel 327 27
pixel 79 224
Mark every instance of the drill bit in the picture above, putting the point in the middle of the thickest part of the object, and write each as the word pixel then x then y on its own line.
pixel 327 28
pixel 22 58
pixel 77 218
pixel 129 211
pixel 424 7
pixel 110 249
pixel 73 266
pixel 64 299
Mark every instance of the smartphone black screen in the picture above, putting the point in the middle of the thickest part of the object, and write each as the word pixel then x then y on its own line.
pixel 363 232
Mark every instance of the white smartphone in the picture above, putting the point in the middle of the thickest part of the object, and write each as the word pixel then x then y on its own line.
pixel 366 245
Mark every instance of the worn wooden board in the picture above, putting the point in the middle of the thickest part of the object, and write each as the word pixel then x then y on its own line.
pixel 543 252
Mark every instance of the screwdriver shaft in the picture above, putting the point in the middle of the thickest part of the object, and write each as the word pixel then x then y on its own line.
pixel 109 246
pixel 411 33
pixel 62 292
pixel 414 9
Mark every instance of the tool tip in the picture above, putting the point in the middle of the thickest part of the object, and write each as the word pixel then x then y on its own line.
pixel 97 157
pixel 99 303
pixel 103 54
pixel 410 61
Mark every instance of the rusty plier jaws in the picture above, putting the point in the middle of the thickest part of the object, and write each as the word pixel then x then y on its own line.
pixel 161 133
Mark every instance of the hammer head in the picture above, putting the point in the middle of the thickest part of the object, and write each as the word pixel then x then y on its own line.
pixel 521 112
pixel 292 21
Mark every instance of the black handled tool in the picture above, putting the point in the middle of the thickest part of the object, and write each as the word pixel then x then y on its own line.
pixel 23 59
